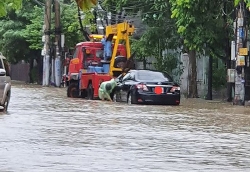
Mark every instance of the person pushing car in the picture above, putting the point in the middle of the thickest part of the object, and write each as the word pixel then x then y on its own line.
pixel 106 89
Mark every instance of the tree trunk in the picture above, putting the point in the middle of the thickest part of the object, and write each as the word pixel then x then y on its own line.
pixel 144 63
pixel 192 92
pixel 40 70
pixel 113 13
pixel 31 63
pixel 84 32
pixel 95 21
pixel 227 52
pixel 210 79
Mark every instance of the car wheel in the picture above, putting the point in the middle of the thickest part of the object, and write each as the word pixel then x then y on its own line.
pixel 73 90
pixel 6 103
pixel 115 97
pixel 130 99
pixel 90 92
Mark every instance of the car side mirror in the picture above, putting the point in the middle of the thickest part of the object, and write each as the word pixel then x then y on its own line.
pixel 2 72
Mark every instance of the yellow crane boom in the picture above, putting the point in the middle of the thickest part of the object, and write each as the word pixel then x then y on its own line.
pixel 122 31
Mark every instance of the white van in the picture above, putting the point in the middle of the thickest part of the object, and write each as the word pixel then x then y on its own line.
pixel 5 83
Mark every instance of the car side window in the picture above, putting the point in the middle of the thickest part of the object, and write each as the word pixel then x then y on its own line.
pixel 132 76
pixel 7 67
pixel 126 77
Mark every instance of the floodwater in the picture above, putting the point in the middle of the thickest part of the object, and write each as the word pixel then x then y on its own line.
pixel 46 131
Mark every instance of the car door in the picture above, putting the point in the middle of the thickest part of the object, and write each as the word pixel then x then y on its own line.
pixel 2 79
pixel 127 82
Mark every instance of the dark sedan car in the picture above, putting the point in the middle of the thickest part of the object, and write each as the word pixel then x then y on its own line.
pixel 146 86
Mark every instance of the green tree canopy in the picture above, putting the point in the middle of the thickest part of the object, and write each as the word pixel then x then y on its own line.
pixel 9 4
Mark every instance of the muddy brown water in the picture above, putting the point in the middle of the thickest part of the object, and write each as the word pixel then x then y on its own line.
pixel 46 131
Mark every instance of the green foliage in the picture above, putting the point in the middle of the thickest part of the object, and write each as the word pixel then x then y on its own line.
pixel 236 2
pixel 33 31
pixel 219 76
pixel 157 23
pixel 88 17
pixel 197 22
pixel 70 25
pixel 9 4
pixel 170 64
pixel 21 31
pixel 12 42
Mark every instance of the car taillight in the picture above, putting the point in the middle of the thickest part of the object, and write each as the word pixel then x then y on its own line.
pixel 174 88
pixel 142 87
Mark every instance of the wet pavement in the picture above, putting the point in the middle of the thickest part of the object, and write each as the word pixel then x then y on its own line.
pixel 46 131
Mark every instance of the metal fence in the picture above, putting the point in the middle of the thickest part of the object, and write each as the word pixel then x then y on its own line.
pixel 20 72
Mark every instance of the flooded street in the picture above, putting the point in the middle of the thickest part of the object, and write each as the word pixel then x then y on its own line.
pixel 46 131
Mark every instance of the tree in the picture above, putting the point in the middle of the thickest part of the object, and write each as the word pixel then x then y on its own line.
pixel 21 32
pixel 201 27
pixel 86 5
pixel 156 31
pixel 236 2
pixel 9 4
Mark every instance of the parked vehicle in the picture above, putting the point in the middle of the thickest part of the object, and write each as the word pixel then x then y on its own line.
pixel 146 86
pixel 5 83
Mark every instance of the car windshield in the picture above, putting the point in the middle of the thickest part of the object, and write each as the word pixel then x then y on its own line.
pixel 153 76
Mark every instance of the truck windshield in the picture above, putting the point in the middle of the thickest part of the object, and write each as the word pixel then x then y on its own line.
pixel 76 53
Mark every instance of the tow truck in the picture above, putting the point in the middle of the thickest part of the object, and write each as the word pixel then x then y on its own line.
pixel 88 69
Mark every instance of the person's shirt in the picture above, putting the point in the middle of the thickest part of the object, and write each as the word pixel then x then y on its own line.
pixel 103 41
pixel 108 48
pixel 103 86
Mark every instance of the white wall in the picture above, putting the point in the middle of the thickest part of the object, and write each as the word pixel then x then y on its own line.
pixel 202 66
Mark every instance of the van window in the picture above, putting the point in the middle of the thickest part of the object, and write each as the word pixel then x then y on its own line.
pixel 1 65
pixel 7 67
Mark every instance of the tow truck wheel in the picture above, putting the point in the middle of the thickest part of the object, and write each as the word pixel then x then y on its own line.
pixel 90 92
pixel 84 94
pixel 73 90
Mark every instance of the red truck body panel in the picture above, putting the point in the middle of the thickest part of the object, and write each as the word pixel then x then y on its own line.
pixel 95 79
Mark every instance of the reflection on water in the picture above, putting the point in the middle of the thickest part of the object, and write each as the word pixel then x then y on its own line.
pixel 46 131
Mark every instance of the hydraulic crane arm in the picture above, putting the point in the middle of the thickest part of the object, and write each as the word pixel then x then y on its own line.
pixel 122 31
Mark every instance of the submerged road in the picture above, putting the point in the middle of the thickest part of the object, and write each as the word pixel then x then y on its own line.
pixel 46 131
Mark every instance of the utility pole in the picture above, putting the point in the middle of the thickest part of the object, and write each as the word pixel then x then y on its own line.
pixel 58 61
pixel 241 52
pixel 46 58
pixel 210 79
pixel 227 53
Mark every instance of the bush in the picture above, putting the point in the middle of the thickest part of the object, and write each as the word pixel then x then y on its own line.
pixel 219 76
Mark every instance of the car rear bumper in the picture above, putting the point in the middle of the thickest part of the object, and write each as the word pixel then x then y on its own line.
pixel 173 99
